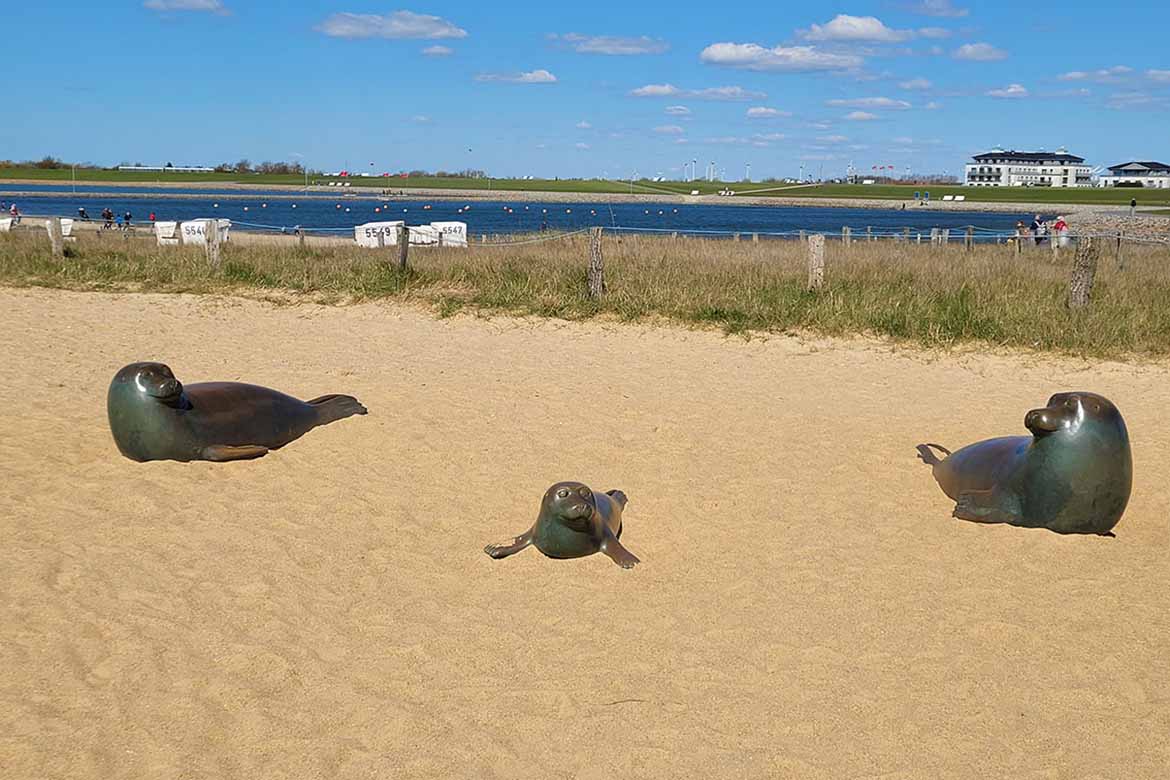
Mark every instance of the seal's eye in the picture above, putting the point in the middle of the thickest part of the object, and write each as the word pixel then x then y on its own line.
pixel 585 493
pixel 563 493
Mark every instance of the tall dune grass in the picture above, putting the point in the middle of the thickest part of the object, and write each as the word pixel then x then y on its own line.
pixel 935 296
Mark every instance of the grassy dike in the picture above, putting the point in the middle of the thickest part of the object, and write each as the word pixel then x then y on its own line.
pixel 932 296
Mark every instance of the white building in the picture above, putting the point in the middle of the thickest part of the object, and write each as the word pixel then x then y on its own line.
pixel 1138 174
pixel 999 168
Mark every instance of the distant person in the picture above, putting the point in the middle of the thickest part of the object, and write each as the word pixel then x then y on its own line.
pixel 82 215
pixel 14 212
pixel 151 217
pixel 126 219
pixel 119 223
pixel 1133 207
pixel 1060 230
pixel 1038 229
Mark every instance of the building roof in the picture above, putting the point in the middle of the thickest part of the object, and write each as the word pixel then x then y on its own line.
pixel 1015 156
pixel 1138 167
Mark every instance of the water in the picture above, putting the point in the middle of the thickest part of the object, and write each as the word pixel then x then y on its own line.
pixel 261 211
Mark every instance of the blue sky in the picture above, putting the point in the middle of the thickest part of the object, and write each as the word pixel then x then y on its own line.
pixel 584 89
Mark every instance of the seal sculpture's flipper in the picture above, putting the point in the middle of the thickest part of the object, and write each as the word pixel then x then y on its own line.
pixel 615 552
pixel 984 506
pixel 574 522
pixel 222 452
pixel 335 407
pixel 153 416
pixel 928 457
pixel 498 551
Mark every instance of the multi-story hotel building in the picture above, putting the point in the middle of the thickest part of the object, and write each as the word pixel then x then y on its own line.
pixel 999 168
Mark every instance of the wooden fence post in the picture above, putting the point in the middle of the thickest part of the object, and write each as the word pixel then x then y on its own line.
pixel 380 233
pixel 755 238
pixel 301 237
pixel 868 233
pixel 1055 242
pixel 920 238
pixel 1080 287
pixel 969 239
pixel 934 235
pixel 906 234
pixel 56 237
pixel 595 274
pixel 802 236
pixel 212 228
pixel 816 261
pixel 846 236
pixel 673 234
pixel 1119 253
pixel 403 246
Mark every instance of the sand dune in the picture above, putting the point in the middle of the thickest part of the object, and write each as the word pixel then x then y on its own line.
pixel 805 607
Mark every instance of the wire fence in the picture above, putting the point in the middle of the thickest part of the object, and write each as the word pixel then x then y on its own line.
pixel 969 236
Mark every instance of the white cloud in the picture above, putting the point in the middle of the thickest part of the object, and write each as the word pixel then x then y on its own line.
pixel 710 93
pixel 752 56
pixel 438 51
pixel 768 137
pixel 1102 76
pixel 612 44
pixel 540 76
pixel 584 125
pixel 904 140
pixel 213 6
pixel 933 106
pixel 400 24
pixel 1010 91
pixel 1158 75
pixel 934 32
pixel 979 52
pixel 916 84
pixel 833 139
pixel 943 8
pixel 669 130
pixel 763 112
pixel 678 111
pixel 1123 100
pixel 421 119
pixel 844 27
pixel 582 146
pixel 861 116
pixel 656 90
pixel 870 102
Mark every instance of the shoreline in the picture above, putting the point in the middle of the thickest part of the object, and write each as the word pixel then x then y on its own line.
pixel 530 196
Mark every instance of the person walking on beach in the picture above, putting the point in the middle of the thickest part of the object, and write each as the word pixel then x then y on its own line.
pixel 1133 207
pixel 82 215
pixel 126 219
pixel 14 212
pixel 151 217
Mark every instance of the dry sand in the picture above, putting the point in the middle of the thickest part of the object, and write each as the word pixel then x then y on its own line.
pixel 805 607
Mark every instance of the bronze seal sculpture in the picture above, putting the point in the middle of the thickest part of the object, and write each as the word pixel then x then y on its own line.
pixel 154 417
pixel 574 522
pixel 1072 475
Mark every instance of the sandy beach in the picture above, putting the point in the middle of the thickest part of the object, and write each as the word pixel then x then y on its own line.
pixel 806 607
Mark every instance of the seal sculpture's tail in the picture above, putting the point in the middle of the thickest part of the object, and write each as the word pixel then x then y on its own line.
pixel 928 457
pixel 331 408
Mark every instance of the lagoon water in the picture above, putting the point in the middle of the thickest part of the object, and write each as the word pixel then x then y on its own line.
pixel 261 210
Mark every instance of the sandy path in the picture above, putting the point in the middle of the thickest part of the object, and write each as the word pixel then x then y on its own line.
pixel 806 608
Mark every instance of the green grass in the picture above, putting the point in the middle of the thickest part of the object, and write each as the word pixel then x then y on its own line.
pixel 919 294
pixel 975 195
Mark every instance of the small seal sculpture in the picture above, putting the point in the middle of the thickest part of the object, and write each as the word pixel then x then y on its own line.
pixel 154 417
pixel 574 522
pixel 1072 475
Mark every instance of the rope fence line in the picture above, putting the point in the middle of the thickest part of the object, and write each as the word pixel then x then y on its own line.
pixel 847 233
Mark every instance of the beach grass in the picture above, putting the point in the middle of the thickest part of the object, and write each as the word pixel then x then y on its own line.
pixel 932 296
pixel 1116 196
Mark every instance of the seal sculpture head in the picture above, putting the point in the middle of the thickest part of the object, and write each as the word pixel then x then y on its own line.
pixel 154 417
pixel 574 521
pixel 1073 475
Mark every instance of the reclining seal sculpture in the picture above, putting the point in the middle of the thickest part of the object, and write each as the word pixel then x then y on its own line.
pixel 154 417
pixel 574 522
pixel 1072 475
